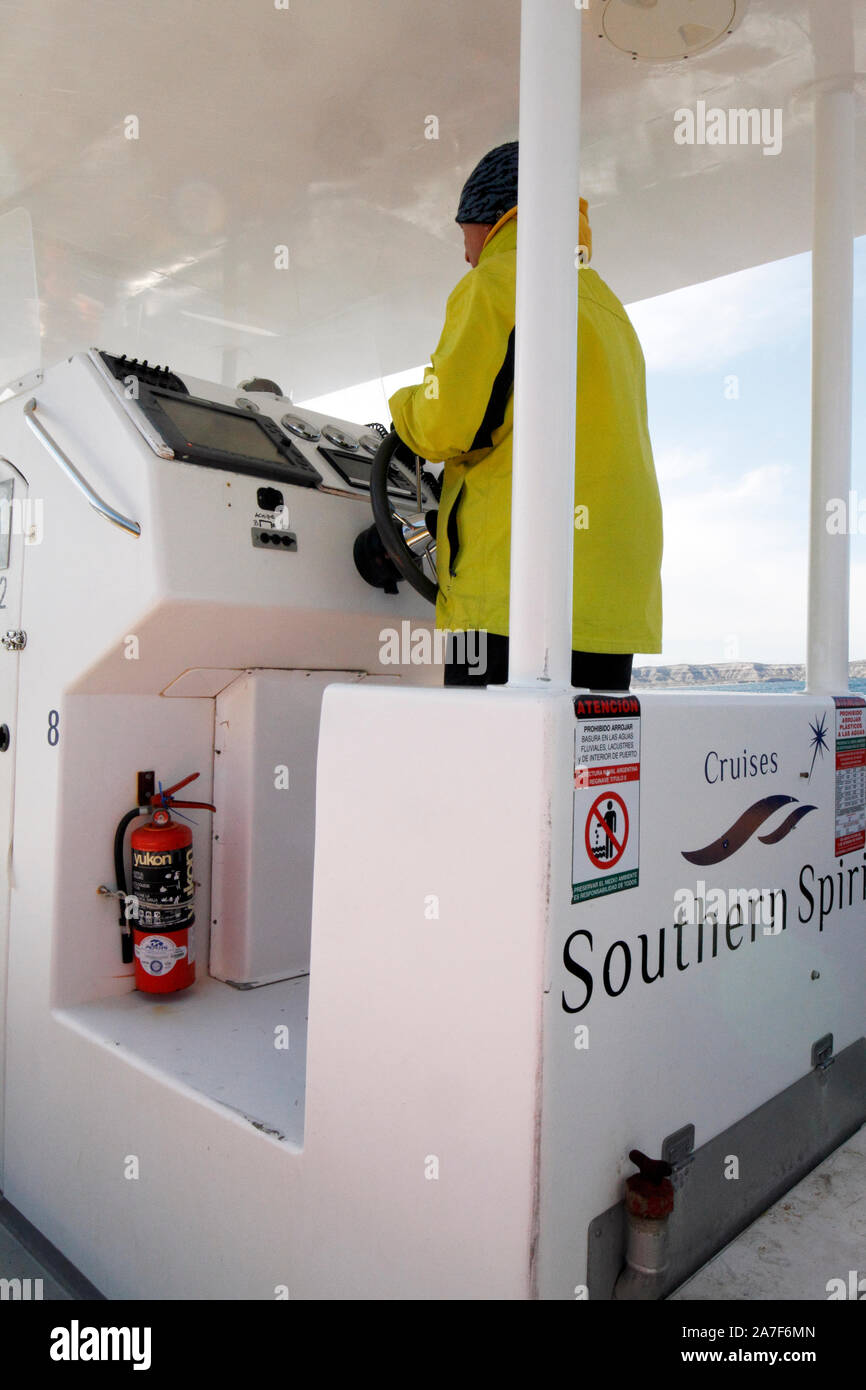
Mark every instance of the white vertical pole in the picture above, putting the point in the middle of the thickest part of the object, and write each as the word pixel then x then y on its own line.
pixel 832 334
pixel 542 507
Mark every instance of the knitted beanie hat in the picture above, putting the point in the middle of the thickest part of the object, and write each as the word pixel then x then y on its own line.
pixel 491 189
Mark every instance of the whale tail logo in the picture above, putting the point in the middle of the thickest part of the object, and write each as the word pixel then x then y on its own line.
pixel 746 826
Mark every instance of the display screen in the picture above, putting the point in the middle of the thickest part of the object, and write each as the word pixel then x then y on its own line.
pixel 354 470
pixel 206 428
pixel 357 472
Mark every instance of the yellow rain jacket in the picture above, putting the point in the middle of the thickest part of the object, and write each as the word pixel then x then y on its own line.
pixel 463 414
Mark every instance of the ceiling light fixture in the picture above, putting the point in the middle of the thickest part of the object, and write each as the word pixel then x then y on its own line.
pixel 666 31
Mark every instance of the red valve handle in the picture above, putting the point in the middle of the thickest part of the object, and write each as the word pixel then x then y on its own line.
pixel 655 1170
pixel 166 799
pixel 649 1193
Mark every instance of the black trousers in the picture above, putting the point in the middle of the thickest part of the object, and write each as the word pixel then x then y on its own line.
pixel 481 658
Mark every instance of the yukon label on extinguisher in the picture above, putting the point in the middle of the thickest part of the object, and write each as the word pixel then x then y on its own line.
pixel 162 882
pixel 159 954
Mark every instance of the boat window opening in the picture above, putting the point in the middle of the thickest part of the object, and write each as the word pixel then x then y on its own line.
pixel 6 519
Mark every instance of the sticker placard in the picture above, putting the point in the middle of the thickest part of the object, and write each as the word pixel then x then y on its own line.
pixel 159 954
pixel 606 830
pixel 850 773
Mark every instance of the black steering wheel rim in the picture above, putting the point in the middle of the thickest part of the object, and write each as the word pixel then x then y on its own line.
pixel 394 525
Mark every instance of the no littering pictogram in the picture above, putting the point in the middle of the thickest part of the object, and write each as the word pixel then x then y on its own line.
pixel 606 833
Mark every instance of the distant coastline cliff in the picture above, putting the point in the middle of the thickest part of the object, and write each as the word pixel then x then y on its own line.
pixel 728 673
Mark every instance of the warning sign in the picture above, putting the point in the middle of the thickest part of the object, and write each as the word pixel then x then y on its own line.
pixel 606 795
pixel 850 773
pixel 604 814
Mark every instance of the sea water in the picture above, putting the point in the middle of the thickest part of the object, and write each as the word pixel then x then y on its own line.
pixel 857 684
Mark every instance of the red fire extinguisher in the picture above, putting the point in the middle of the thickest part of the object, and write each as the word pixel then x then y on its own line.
pixel 160 933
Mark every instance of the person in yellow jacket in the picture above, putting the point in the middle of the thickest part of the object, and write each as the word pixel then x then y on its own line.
pixel 462 414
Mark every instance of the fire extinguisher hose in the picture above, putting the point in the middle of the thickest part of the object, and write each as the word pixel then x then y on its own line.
pixel 126 939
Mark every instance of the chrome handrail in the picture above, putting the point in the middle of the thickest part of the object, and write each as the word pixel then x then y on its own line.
pixel 68 467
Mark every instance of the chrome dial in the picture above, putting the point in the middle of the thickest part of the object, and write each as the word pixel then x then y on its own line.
pixel 370 442
pixel 335 435
pixel 297 425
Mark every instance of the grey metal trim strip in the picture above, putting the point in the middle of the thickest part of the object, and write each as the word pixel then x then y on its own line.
pixel 63 1271
pixel 343 492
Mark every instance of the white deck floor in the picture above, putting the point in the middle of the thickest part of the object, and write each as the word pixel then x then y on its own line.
pixel 815 1233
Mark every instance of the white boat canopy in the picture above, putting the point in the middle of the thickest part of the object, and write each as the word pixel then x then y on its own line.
pixel 161 174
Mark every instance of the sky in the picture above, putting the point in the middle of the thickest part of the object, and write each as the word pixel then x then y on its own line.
pixel 728 391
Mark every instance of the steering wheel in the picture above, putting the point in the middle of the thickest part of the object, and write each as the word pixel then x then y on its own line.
pixel 403 527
